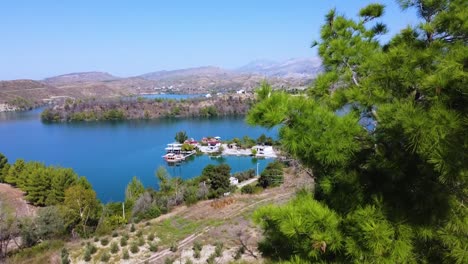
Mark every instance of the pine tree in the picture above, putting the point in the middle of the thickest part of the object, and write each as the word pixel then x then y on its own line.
pixel 3 163
pixel 384 130
pixel 38 185
pixel 14 172
pixel 61 180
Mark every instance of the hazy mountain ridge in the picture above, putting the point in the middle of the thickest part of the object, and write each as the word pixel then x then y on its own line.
pixel 207 79
pixel 78 77
pixel 293 68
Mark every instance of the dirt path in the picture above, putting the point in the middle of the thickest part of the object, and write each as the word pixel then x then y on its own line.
pixel 13 198
pixel 244 203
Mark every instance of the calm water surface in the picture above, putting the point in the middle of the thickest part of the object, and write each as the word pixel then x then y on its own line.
pixel 109 154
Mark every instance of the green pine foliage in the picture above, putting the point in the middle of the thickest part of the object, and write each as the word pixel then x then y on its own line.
pixel 3 165
pixel 44 185
pixel 384 131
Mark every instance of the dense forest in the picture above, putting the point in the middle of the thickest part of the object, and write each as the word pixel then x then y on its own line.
pixel 391 171
pixel 72 111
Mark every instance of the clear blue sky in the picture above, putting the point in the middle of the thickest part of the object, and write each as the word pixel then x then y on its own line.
pixel 46 38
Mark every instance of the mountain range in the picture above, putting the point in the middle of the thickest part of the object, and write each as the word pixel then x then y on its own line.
pixel 285 74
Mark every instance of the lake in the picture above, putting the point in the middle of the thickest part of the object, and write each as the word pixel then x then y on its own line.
pixel 109 154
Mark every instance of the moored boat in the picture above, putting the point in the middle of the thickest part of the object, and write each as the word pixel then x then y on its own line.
pixel 171 157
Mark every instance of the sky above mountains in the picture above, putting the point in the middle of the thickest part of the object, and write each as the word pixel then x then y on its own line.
pixel 47 38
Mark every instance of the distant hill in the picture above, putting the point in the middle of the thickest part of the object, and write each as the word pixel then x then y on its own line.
pixel 293 68
pixel 80 77
pixel 293 73
pixel 199 71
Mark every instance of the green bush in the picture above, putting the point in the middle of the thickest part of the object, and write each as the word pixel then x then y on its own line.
pixel 211 259
pixel 96 239
pixel 272 175
pixel 247 189
pixel 132 228
pixel 104 241
pixel 197 246
pixel 105 257
pixel 91 248
pixel 114 248
pixel 115 234
pixel 153 247
pixel 219 249
pixel 196 254
pixel 139 233
pixel 87 255
pixel 123 241
pixel 64 257
pixel 150 237
pixel 174 247
pixel 141 241
pixel 134 248
pixel 125 254
pixel 239 253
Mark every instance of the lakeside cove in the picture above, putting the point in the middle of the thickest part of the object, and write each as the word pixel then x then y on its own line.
pixel 115 151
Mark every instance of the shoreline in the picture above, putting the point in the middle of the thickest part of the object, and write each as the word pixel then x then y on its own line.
pixel 268 151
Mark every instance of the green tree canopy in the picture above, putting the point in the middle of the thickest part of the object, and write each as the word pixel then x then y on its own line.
pixel 384 130
pixel 181 136
pixel 80 207
pixel 134 189
pixel 3 163
pixel 218 178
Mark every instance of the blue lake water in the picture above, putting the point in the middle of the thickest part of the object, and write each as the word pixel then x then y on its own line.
pixel 109 154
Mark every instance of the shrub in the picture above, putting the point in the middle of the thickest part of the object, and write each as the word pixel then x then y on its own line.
pixel 150 237
pixel 132 228
pixel 96 239
pixel 105 257
pixel 168 261
pixel 91 247
pixel 125 235
pixel 104 241
pixel 272 175
pixel 153 247
pixel 248 189
pixel 87 255
pixel 211 259
pixel 125 254
pixel 197 246
pixel 115 234
pixel 134 248
pixel 244 175
pixel 141 241
pixel 123 241
pixel 139 233
pixel 196 254
pixel 219 249
pixel 64 256
pixel 174 247
pixel 188 261
pixel 114 247
pixel 239 253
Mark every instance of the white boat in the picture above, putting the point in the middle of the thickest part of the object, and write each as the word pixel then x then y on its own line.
pixel 171 157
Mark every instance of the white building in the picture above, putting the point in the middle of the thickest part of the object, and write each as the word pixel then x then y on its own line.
pixel 233 180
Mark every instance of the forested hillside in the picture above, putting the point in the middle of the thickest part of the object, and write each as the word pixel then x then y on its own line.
pixel 72 111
